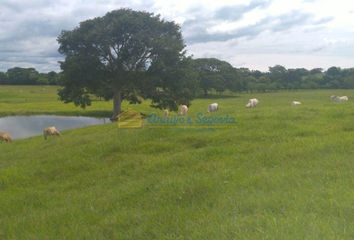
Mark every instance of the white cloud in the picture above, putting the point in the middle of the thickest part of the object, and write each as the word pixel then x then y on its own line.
pixel 247 33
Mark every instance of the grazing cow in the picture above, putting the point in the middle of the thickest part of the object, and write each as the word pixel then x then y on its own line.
pixel 252 103
pixel 343 99
pixel 339 99
pixel 295 103
pixel 5 137
pixel 166 112
pixel 213 107
pixel 50 131
pixel 183 110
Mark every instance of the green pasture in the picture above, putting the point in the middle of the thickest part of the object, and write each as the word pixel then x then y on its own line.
pixel 280 172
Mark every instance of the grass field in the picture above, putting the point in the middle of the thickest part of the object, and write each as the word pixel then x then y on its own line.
pixel 281 172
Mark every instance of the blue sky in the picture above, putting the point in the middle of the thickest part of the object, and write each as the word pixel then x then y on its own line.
pixel 247 33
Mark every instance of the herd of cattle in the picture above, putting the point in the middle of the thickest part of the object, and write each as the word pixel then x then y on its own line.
pixel 183 110
pixel 251 104
pixel 339 99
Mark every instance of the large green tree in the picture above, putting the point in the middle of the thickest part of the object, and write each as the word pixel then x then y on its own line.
pixel 126 55
pixel 215 74
pixel 17 75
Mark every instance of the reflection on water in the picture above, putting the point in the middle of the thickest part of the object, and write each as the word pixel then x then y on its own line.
pixel 28 126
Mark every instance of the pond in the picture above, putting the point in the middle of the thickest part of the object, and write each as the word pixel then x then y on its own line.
pixel 28 126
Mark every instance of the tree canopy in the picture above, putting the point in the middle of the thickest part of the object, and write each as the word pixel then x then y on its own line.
pixel 215 74
pixel 126 55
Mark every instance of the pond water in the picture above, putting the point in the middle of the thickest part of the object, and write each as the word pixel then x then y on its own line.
pixel 28 126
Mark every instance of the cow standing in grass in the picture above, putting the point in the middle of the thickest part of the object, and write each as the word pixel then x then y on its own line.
pixel 339 99
pixel 50 131
pixel 295 103
pixel 183 110
pixel 5 137
pixel 213 107
pixel 252 103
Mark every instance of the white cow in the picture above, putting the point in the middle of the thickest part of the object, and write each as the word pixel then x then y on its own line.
pixel 166 112
pixel 342 99
pixel 295 103
pixel 252 103
pixel 50 131
pixel 339 99
pixel 213 107
pixel 183 110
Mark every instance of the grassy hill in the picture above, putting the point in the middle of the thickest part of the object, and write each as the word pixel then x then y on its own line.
pixel 281 172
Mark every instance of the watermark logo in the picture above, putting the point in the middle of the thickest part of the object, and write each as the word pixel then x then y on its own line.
pixel 200 120
pixel 133 119
pixel 130 119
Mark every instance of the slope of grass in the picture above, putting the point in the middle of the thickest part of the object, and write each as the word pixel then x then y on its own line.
pixel 279 173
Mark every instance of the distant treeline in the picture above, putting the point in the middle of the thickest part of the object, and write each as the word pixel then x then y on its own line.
pixel 28 76
pixel 218 76
pixel 278 77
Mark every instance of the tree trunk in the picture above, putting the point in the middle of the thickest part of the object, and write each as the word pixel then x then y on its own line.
pixel 117 101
